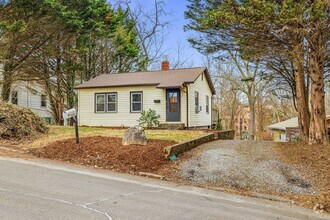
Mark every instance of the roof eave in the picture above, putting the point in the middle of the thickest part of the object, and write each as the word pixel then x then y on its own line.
pixel 273 128
pixel 112 86
pixel 209 80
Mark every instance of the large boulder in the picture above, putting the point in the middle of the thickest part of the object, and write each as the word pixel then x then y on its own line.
pixel 134 135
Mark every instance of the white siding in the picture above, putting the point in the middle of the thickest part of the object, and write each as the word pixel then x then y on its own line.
pixel 123 116
pixel 201 118
pixel 29 95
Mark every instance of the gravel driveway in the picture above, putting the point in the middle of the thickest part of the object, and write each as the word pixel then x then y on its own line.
pixel 243 164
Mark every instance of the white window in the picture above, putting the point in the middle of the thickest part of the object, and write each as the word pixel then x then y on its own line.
pixel 106 102
pixel 100 102
pixel 196 102
pixel 112 102
pixel 207 104
pixel 14 97
pixel 136 101
pixel 43 102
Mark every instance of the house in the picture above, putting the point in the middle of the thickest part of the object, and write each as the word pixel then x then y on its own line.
pixel 30 95
pixel 242 123
pixel 281 130
pixel 182 97
pixel 286 130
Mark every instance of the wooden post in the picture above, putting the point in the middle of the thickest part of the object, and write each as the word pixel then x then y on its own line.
pixel 76 129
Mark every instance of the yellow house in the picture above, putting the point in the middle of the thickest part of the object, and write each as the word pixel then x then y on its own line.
pixel 280 130
pixel 181 97
pixel 286 130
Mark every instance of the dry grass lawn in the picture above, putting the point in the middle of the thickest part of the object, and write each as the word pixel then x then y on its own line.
pixel 57 133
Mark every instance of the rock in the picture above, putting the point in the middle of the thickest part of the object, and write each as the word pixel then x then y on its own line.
pixel 134 135
pixel 318 208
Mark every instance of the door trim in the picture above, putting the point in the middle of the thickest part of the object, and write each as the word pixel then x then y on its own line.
pixel 179 100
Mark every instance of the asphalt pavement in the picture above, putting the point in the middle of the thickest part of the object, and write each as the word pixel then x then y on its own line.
pixel 42 189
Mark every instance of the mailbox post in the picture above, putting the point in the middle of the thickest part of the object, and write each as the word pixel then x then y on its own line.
pixel 72 113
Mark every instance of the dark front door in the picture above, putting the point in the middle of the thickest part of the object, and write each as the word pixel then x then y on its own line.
pixel 172 105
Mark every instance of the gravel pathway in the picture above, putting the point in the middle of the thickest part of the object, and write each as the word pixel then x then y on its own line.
pixel 243 164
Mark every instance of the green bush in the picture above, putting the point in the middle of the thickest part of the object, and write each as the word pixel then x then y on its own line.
pixel 218 125
pixel 295 138
pixel 149 119
pixel 18 122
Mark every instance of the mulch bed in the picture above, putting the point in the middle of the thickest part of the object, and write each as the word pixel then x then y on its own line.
pixel 108 153
pixel 314 161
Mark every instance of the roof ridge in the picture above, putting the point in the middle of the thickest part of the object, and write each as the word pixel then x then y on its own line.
pixel 149 71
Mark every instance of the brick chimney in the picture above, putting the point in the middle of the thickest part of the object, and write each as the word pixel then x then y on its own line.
pixel 165 65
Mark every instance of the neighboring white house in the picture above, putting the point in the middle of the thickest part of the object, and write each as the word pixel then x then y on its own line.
pixel 180 97
pixel 30 95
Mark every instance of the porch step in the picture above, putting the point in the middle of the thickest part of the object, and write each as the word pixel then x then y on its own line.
pixel 171 126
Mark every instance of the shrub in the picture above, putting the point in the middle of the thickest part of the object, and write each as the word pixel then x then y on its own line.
pixel 18 122
pixel 218 125
pixel 149 119
pixel 295 138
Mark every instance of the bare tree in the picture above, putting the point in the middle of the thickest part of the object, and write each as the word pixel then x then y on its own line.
pixel 178 57
pixel 246 78
pixel 228 100
pixel 151 29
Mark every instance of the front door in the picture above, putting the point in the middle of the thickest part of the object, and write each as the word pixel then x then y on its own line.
pixel 172 105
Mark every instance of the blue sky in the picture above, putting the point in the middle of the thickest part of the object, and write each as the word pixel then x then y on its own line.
pixel 176 8
pixel 176 32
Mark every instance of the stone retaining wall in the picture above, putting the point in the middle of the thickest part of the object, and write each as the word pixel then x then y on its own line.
pixel 226 135
pixel 179 148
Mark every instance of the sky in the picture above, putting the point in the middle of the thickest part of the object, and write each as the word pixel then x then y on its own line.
pixel 176 32
pixel 176 9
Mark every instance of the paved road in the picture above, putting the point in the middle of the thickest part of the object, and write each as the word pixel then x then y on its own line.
pixel 49 190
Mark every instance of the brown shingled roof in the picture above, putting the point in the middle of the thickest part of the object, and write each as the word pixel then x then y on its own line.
pixel 161 79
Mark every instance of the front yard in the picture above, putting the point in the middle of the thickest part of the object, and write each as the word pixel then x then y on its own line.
pixel 57 133
pixel 99 147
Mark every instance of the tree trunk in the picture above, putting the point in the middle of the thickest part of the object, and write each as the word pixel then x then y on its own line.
pixel 301 99
pixel 7 82
pixel 8 77
pixel 318 131
pixel 233 113
pixel 252 120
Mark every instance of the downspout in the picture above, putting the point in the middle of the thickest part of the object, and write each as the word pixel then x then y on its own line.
pixel 187 105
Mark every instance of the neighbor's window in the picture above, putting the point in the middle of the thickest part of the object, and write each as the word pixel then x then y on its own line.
pixel 136 101
pixel 112 102
pixel 100 102
pixel 196 102
pixel 14 97
pixel 43 101
pixel 207 104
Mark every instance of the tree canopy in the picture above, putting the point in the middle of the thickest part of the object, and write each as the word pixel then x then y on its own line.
pixel 266 31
